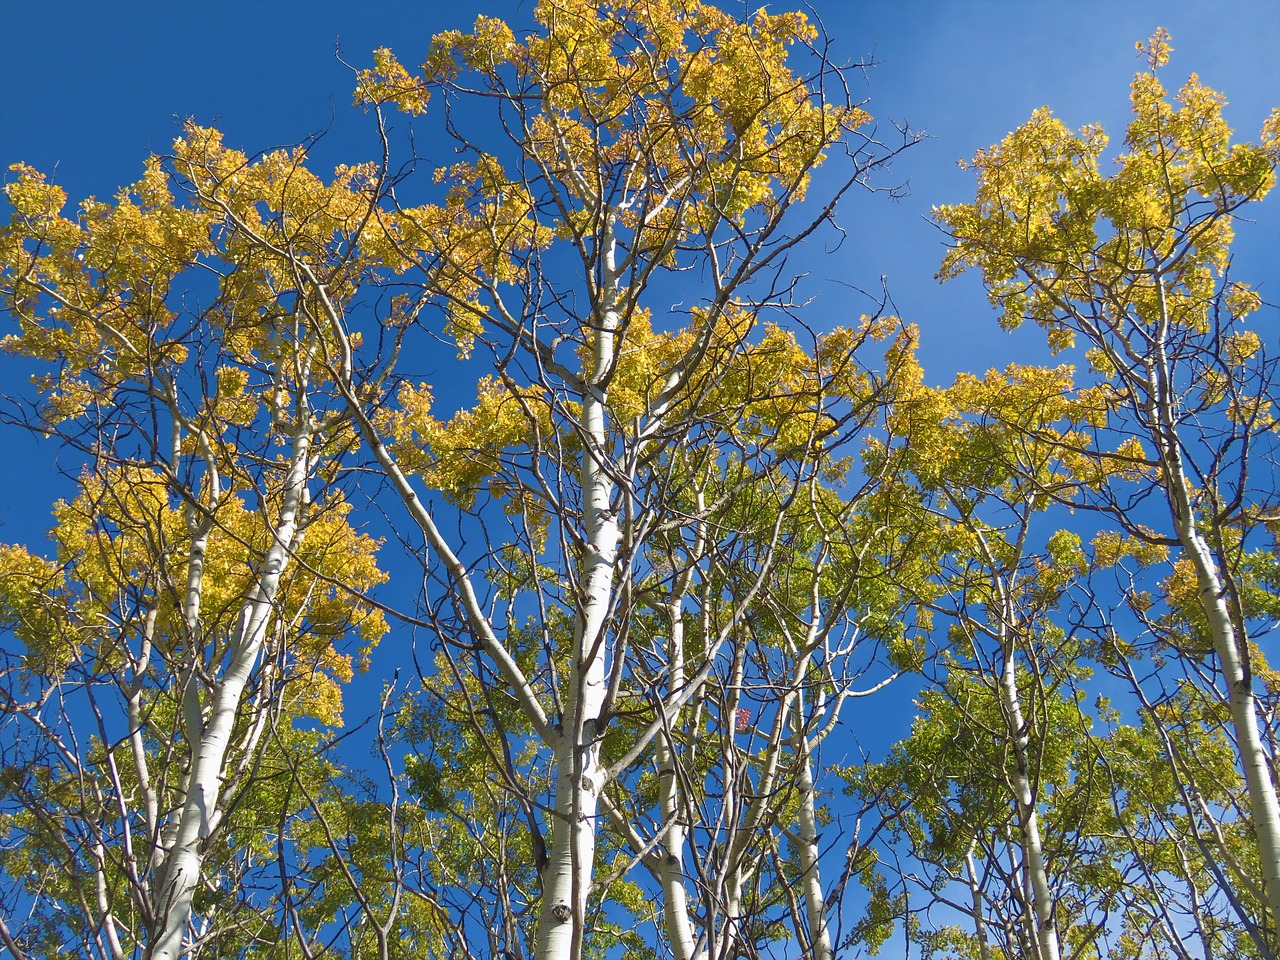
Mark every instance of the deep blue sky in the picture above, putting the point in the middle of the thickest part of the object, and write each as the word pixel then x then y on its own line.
pixel 87 89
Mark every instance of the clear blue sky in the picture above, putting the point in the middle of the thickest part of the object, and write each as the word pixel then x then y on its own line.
pixel 87 89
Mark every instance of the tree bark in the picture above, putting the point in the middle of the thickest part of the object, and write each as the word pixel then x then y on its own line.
pixel 566 879
pixel 1046 936
pixel 675 905
pixel 1162 414
pixel 810 876
pixel 198 813
pixel 975 893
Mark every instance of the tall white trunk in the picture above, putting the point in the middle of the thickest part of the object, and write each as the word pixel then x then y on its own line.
pixel 566 879
pixel 1162 413
pixel 1045 935
pixel 731 945
pixel 975 894
pixel 811 878
pixel 198 813
pixel 1244 717
pixel 675 904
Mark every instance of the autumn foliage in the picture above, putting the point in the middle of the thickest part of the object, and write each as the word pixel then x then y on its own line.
pixel 652 567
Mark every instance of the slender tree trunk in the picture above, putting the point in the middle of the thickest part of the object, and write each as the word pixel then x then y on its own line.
pixel 1162 414
pixel 810 876
pixel 675 901
pixel 739 824
pixel 675 904
pixel 198 813
pixel 566 880
pixel 975 892
pixel 731 943
pixel 1046 936
pixel 1244 717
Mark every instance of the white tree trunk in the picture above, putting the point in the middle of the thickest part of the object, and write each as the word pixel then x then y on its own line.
pixel 675 904
pixel 975 894
pixel 811 878
pixel 1045 935
pixel 1244 717
pixel 196 817
pixel 731 940
pixel 566 880
pixel 1162 414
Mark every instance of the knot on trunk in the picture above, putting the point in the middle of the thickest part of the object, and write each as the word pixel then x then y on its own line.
pixel 561 912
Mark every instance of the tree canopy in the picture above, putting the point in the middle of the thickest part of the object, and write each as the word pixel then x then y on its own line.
pixel 652 580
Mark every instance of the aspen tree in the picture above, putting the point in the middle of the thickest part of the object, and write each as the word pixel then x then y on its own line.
pixel 657 468
pixel 648 501
pixel 1134 268
pixel 205 592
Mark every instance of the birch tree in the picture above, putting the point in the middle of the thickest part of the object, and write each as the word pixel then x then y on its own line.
pixel 998 700
pixel 999 605
pixel 1135 267
pixel 664 541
